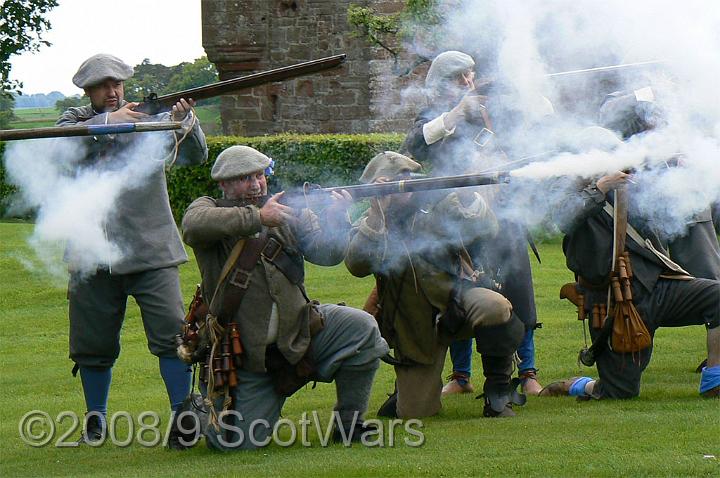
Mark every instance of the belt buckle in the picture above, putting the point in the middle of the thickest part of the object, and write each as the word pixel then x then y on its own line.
pixel 243 282
pixel 269 253
pixel 483 137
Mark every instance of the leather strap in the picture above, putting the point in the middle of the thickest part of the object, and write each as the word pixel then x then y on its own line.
pixel 274 253
pixel 235 276
pixel 645 243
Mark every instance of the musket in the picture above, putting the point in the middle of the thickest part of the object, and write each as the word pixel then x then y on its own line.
pixel 485 85
pixel 87 130
pixel 358 191
pixel 605 69
pixel 154 104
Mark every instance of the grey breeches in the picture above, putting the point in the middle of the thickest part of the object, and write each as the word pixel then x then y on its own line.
pixel 350 340
pixel 97 311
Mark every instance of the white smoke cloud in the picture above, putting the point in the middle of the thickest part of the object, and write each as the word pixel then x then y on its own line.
pixel 520 43
pixel 74 200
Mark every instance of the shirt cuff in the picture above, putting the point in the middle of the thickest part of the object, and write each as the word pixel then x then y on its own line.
pixel 435 130
pixel 188 122
pixel 369 232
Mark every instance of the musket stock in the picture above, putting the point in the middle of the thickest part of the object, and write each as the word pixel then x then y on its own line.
pixel 154 104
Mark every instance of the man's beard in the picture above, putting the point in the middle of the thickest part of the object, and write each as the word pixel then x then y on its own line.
pixel 107 109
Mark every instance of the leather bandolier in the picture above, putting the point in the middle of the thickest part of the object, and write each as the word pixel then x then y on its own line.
pixel 214 340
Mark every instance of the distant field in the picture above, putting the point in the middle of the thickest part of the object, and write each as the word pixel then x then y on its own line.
pixel 43 117
pixel 34 117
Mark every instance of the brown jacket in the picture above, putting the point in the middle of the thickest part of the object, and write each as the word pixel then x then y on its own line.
pixel 417 267
pixel 212 231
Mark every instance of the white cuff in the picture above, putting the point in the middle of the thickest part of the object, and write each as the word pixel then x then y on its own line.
pixel 188 121
pixel 435 130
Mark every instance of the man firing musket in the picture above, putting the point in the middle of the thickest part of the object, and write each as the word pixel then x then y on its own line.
pixel 154 104
pixel 142 223
pixel 645 284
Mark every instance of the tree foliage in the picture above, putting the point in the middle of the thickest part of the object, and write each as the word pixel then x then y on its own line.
pixel 71 101
pixel 391 31
pixel 7 103
pixel 161 79
pixel 22 24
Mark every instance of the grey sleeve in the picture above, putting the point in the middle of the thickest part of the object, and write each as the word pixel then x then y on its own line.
pixel 77 116
pixel 205 223
pixel 366 249
pixel 322 240
pixel 578 207
pixel 193 149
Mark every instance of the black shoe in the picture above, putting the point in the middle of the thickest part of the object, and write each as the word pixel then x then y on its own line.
pixel 94 433
pixel 491 412
pixel 500 398
pixel 389 408
pixel 356 435
pixel 191 416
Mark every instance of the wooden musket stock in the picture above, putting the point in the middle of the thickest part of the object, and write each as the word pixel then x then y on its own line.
pixel 153 104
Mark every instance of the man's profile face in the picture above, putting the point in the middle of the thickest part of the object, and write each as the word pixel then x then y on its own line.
pixel 253 186
pixel 466 81
pixel 107 95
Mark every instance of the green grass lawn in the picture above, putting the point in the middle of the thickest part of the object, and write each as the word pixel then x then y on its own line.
pixel 665 432
pixel 34 117
pixel 209 117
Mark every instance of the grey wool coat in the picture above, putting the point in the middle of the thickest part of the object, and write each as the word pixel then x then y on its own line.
pixel 212 231
pixel 141 223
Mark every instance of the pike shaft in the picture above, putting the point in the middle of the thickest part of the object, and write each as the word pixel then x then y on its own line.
pixel 85 130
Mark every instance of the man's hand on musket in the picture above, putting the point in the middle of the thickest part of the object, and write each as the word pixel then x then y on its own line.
pixel 383 209
pixel 469 109
pixel 126 114
pixel 341 200
pixel 274 214
pixel 613 181
pixel 181 109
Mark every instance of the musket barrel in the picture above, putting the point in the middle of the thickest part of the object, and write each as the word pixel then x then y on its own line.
pixel 86 130
pixel 413 185
pixel 154 105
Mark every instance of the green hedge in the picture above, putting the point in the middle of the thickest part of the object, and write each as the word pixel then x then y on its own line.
pixel 327 160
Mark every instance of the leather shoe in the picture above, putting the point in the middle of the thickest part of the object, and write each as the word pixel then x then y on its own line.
pixel 389 408
pixel 558 389
pixel 712 393
pixel 93 433
pixel 459 383
pixel 356 435
pixel 529 383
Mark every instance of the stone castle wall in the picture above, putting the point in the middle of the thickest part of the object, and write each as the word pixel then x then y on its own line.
pixel 246 36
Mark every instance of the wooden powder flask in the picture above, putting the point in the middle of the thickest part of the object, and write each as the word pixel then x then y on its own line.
pixel 628 265
pixel 229 359
pixel 218 372
pixel 581 307
pixel 235 339
pixel 616 290
pixel 603 315
pixel 596 316
pixel 225 354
